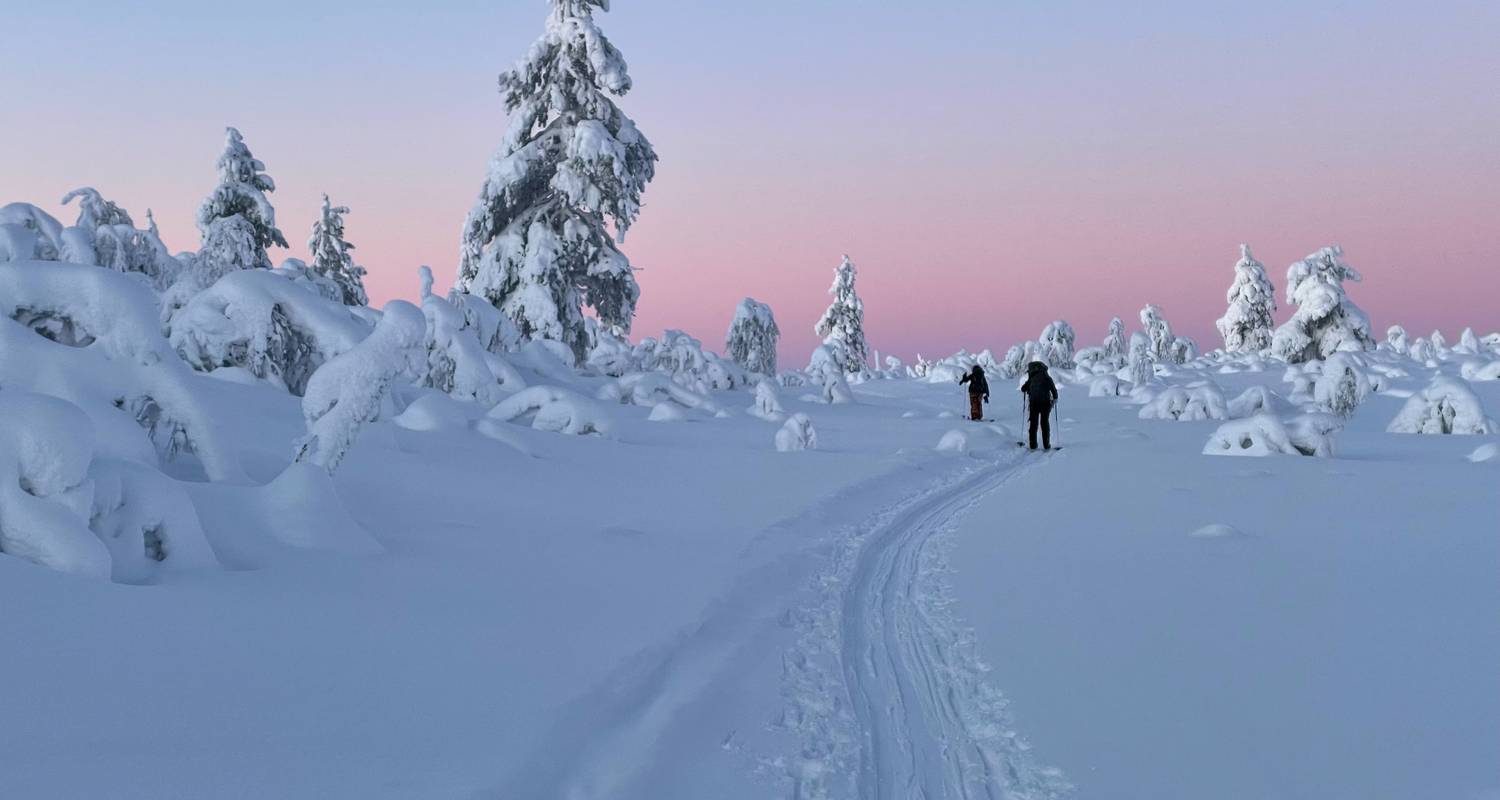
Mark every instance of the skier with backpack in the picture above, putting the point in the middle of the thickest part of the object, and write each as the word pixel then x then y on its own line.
pixel 1040 393
pixel 979 392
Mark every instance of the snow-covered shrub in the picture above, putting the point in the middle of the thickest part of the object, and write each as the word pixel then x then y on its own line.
pixel 842 325
pixel 1439 341
pixel 1447 405
pixel 1159 334
pixel 146 520
pixel 1255 400
pixel 609 352
pixel 827 372
pixel 1468 343
pixel 1422 351
pixel 796 434
pixel 270 326
pixel 1186 404
pixel 106 326
pixel 1106 386
pixel 1056 344
pixel 28 233
pixel 1341 386
pixel 1485 452
pixel 537 243
pixel 46 445
pixel 347 391
pixel 919 368
pixel 650 389
pixel 297 271
pixel 556 410
pixel 894 368
pixel 1247 325
pixel 331 257
pixel 456 363
pixel 1266 435
pixel 752 337
pixel 236 220
pixel 767 402
pixel 1396 340
pixel 1183 350
pixel 1326 320
pixel 1014 362
pixel 683 357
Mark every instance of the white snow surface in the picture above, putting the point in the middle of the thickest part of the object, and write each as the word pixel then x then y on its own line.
pixel 902 604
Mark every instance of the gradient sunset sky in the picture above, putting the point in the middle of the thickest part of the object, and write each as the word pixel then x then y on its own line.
pixel 989 166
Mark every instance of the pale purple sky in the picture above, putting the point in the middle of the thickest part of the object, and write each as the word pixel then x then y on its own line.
pixel 989 166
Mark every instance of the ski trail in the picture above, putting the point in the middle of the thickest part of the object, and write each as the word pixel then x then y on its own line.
pixel 920 722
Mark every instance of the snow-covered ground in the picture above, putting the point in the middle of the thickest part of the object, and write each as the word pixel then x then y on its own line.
pixel 482 608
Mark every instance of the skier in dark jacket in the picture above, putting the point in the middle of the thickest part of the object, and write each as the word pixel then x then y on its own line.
pixel 978 388
pixel 1040 393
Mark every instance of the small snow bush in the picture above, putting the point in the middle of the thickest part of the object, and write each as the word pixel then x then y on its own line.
pixel 1142 364
pixel 690 366
pixel 1186 404
pixel 1056 343
pixel 650 389
pixel 1476 371
pixel 555 410
pixel 796 434
pixel 1446 406
pixel 1341 387
pixel 456 361
pixel 1255 400
pixel 1107 386
pixel 348 391
pixel 827 372
pixel 609 352
pixel 46 445
pixel 752 337
pixel 767 402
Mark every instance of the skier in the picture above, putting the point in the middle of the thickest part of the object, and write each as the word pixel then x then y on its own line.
pixel 978 388
pixel 1040 393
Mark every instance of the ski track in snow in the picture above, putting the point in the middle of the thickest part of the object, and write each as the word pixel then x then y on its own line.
pixel 885 688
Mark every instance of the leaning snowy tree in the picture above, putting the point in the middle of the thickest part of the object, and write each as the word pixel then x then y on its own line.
pixel 330 254
pixel 842 326
pixel 1326 320
pixel 536 244
pixel 1247 325
pixel 236 220
pixel 752 337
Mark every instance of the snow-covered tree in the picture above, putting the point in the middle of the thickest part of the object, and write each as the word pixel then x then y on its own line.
pixel 1183 350
pixel 330 254
pixel 1142 363
pixel 237 221
pixel 752 338
pixel 1447 406
pixel 1326 320
pixel 1468 342
pixel 796 434
pixel 1247 325
pixel 1116 350
pixel 537 242
pixel 842 326
pixel 1056 344
pixel 117 244
pixel 1439 341
pixel 1158 333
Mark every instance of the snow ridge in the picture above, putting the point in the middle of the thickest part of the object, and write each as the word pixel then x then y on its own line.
pixel 885 687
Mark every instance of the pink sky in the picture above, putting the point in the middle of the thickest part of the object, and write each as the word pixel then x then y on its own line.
pixel 987 170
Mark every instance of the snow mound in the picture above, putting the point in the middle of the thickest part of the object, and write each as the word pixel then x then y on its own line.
pixel 666 412
pixel 556 410
pixel 767 402
pixel 1476 371
pixel 796 434
pixel 650 389
pixel 972 439
pixel 46 445
pixel 1255 400
pixel 1218 530
pixel 1186 404
pixel 1446 406
pixel 1485 452
pixel 1266 435
pixel 1107 386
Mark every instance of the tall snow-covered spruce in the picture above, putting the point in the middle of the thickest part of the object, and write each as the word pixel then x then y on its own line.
pixel 1247 325
pixel 236 220
pixel 752 338
pixel 1326 320
pixel 330 255
pixel 842 326
pixel 536 244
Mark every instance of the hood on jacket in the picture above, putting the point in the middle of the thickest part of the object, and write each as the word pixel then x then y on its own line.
pixel 1035 367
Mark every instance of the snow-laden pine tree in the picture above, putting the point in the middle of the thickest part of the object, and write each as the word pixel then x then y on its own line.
pixel 752 338
pixel 1142 362
pixel 842 326
pixel 330 255
pixel 1116 350
pixel 117 244
pixel 1247 325
pixel 1326 320
pixel 236 220
pixel 537 243
pixel 1396 340
pixel 1056 344
pixel 1158 333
